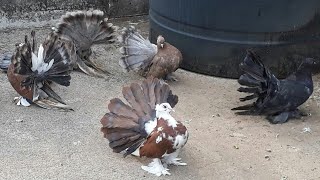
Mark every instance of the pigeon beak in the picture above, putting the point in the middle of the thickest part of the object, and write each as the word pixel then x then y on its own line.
pixel 173 110
pixel 161 45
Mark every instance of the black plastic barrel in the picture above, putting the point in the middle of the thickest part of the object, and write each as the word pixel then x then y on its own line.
pixel 213 35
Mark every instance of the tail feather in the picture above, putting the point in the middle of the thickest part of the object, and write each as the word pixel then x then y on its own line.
pixel 86 28
pixel 137 92
pixel 152 96
pixel 244 107
pixel 254 67
pixel 52 62
pixel 137 52
pixel 115 121
pixel 249 97
pixel 259 81
pixel 123 126
pixel 47 89
pixel 116 106
pixel 249 90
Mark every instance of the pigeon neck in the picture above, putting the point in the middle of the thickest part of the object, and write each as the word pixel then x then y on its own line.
pixel 166 116
pixel 304 75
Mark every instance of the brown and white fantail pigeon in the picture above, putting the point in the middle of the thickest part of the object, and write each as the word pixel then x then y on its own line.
pixel 145 128
pixel 31 75
pixel 84 29
pixel 148 59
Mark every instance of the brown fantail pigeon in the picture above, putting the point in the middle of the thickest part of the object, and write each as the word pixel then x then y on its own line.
pixel 148 59
pixel 85 29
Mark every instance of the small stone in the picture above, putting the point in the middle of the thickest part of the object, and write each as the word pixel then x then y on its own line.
pixel 236 147
pixel 306 129
pixel 19 120
pixel 267 157
pixel 76 143
pixel 237 135
pixel 268 150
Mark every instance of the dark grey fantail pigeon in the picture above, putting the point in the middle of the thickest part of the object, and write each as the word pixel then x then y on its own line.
pixel 31 75
pixel 145 127
pixel 278 99
pixel 85 29
pixel 148 59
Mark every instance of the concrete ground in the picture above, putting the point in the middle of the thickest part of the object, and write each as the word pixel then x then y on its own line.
pixel 47 144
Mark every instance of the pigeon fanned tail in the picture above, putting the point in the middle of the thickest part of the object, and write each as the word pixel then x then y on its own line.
pixel 84 29
pixel 124 125
pixel 137 52
pixel 51 64
pixel 258 80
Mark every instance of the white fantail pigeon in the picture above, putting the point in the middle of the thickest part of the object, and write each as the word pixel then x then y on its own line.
pixel 148 59
pixel 145 127
pixel 278 99
pixel 31 75
pixel 84 29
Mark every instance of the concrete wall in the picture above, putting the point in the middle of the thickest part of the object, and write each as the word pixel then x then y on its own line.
pixel 26 13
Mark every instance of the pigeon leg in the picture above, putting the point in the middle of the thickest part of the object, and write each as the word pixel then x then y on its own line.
pixel 156 168
pixel 170 77
pixel 21 101
pixel 173 159
pixel 279 118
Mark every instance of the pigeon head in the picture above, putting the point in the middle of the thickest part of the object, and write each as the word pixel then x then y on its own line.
pixel 164 108
pixel 160 41
pixel 308 65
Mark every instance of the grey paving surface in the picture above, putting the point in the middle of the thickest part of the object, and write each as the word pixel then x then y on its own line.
pixel 45 144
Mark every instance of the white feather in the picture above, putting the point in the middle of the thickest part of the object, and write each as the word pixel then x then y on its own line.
pixel 34 62
pixel 38 63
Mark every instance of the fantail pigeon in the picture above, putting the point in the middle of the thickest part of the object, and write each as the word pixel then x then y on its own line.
pixel 278 99
pixel 31 75
pixel 148 59
pixel 84 29
pixel 146 127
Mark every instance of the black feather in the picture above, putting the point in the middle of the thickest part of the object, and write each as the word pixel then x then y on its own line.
pixel 278 99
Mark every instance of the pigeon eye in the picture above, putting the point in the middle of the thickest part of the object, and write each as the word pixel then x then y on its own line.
pixel 164 106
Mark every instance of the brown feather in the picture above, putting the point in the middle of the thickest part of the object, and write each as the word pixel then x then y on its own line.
pixel 123 126
pixel 128 95
pixel 115 121
pixel 166 61
pixel 140 98
pixel 118 107
pixel 15 81
pixel 151 149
